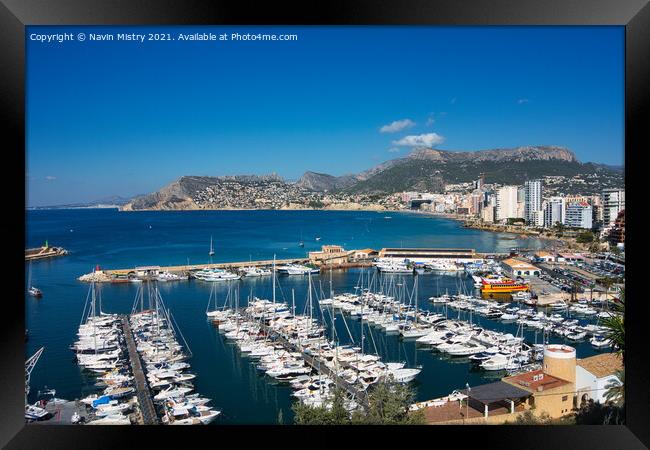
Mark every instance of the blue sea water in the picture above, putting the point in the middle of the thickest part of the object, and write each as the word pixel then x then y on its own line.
pixel 114 239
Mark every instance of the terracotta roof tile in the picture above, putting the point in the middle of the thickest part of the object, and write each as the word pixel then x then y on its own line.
pixel 601 365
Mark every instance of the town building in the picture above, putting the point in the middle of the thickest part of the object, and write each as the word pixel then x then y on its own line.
pixel 533 202
pixel 594 375
pixel 543 256
pixel 579 215
pixel 506 203
pixel 554 211
pixel 517 268
pixel 366 253
pixel 617 233
pixel 552 387
pixel 569 257
pixel 423 255
pixel 613 203
pixel 330 254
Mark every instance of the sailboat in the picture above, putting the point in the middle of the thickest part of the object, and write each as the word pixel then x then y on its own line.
pixel 211 253
pixel 301 243
pixel 33 291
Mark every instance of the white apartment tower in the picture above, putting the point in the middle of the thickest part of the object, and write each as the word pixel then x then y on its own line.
pixel 554 211
pixel 506 203
pixel 533 212
pixel 613 202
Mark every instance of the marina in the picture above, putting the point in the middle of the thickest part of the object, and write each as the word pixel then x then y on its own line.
pixel 231 377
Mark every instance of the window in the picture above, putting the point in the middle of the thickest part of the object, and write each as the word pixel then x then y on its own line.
pixel 565 398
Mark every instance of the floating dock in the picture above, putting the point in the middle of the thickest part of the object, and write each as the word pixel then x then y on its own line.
pixel 149 416
pixel 360 396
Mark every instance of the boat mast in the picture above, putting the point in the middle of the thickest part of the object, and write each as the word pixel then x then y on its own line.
pixel 274 273
pixel 331 291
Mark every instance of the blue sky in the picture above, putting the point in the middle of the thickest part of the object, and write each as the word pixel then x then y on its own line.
pixel 125 118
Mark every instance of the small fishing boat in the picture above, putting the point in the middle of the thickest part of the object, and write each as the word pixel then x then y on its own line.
pixel 33 291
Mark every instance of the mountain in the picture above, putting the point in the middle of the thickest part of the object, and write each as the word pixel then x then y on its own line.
pixel 112 201
pixel 322 182
pixel 179 195
pixel 424 169
pixel 429 169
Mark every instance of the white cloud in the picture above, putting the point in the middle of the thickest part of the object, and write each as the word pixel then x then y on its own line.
pixel 394 150
pixel 421 140
pixel 430 121
pixel 396 126
pixel 521 101
pixel 50 178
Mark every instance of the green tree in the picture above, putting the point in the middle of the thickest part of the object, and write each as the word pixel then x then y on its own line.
pixel 593 413
pixel 585 237
pixel 594 247
pixel 320 415
pixel 388 404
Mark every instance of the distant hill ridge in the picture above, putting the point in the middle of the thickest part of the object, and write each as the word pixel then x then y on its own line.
pixel 424 169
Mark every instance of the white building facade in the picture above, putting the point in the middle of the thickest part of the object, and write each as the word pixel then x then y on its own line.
pixel 533 212
pixel 506 203
pixel 613 201
pixel 579 215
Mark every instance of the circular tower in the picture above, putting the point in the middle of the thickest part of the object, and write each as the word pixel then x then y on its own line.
pixel 560 362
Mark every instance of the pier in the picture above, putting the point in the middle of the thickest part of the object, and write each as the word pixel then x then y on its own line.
pixel 186 268
pixel 360 396
pixel 145 403
pixel 44 252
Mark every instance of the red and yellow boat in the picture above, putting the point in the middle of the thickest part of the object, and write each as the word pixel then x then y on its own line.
pixel 502 285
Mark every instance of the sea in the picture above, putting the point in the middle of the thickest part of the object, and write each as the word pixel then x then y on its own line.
pixel 112 239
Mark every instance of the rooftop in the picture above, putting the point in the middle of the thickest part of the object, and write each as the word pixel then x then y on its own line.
pixel 532 382
pixel 452 411
pixel 602 365
pixel 495 392
pixel 512 262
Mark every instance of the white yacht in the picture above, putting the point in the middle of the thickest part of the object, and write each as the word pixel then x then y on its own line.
pixel 168 276
pixel 215 275
pixel 256 272
pixel 296 269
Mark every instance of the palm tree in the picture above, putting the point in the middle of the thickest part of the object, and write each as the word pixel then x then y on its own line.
pixel 607 282
pixel 616 325
pixel 616 389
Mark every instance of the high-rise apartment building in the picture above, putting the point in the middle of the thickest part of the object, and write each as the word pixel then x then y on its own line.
pixel 533 212
pixel 506 203
pixel 579 215
pixel 613 201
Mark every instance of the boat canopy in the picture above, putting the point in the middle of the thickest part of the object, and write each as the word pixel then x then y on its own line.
pixel 103 400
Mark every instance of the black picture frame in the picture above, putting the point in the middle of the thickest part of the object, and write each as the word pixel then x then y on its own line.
pixel 16 14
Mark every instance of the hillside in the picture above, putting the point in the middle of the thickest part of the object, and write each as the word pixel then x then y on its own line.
pixel 323 182
pixel 422 170
pixel 428 169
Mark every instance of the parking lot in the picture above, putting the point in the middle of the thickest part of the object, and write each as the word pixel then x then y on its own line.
pixel 563 279
pixel 603 269
pixel 542 286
